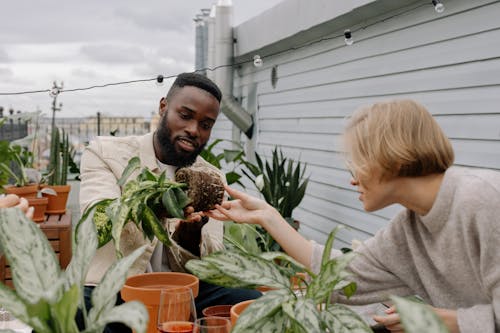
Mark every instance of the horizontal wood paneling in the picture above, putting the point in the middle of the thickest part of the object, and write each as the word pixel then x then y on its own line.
pixel 449 62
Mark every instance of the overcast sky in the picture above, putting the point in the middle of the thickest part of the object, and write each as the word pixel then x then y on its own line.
pixel 91 42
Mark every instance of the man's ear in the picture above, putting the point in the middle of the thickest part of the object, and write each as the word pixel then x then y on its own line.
pixel 163 106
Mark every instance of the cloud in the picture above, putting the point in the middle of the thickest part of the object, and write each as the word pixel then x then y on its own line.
pixel 6 73
pixel 85 73
pixel 4 57
pixel 113 53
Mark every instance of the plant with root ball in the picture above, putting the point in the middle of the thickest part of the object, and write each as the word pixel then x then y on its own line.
pixel 149 197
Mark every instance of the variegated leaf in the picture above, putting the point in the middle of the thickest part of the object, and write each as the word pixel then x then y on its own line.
pixel 271 256
pixel 13 303
pixel 33 263
pixel 249 269
pixel 307 315
pixel 417 317
pixel 133 314
pixel 83 252
pixel 119 218
pixel 331 273
pixel 64 311
pixel 208 272
pixel 104 294
pixel 263 307
pixel 340 319
pixel 133 164
pixel 278 324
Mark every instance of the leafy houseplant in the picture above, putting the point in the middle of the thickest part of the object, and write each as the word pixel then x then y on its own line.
pixel 46 298
pixel 283 310
pixel 15 164
pixel 145 198
pixel 234 156
pixel 282 184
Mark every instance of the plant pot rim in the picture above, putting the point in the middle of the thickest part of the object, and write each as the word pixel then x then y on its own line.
pixel 138 284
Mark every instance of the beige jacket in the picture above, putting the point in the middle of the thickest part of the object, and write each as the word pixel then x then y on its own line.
pixel 102 163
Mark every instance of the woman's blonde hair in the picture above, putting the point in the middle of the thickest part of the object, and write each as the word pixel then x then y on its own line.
pixel 400 136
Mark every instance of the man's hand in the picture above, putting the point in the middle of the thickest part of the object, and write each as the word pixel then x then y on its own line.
pixel 12 200
pixel 188 234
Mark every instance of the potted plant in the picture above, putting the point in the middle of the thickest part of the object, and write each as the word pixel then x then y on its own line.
pixel 57 176
pixel 232 157
pixel 16 164
pixel 46 298
pixel 282 184
pixel 308 310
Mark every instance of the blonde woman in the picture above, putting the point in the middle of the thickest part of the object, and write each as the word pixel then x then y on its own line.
pixel 444 246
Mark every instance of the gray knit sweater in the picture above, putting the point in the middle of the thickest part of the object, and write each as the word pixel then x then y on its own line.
pixel 450 257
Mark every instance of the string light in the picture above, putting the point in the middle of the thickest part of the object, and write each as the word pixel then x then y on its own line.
pixel 348 37
pixel 257 61
pixel 159 80
pixel 54 91
pixel 438 6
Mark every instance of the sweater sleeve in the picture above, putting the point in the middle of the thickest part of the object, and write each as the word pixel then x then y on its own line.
pixel 484 232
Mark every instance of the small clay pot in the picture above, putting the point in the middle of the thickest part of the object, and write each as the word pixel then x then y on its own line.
pixel 146 288
pixel 40 206
pixel 217 311
pixel 27 191
pixel 237 309
pixel 57 203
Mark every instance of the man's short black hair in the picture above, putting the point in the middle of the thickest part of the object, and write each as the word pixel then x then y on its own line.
pixel 195 80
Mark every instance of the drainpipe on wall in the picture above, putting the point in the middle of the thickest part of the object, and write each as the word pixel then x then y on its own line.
pixel 224 75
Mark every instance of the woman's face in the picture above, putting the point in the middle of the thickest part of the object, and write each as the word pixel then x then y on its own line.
pixel 375 191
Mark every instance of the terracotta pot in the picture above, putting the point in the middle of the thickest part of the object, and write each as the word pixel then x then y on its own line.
pixel 237 309
pixel 57 203
pixel 27 191
pixel 146 288
pixel 217 311
pixel 40 205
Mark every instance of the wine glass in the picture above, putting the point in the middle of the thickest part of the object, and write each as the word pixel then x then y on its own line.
pixel 176 311
pixel 212 325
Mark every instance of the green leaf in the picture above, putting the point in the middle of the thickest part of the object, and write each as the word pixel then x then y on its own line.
pixel 263 307
pixel 243 236
pixel 83 252
pixel 64 311
pixel 249 269
pixel 104 294
pixel 133 314
pixel 307 315
pixel 207 272
pixel 12 302
pixel 181 198
pixel 33 263
pixel 330 275
pixel 341 319
pixel 232 155
pixel 118 218
pixel 171 204
pixel 133 164
pixel 232 177
pixel 328 245
pixel 417 317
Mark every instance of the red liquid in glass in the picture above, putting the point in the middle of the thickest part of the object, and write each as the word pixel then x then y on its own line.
pixel 176 327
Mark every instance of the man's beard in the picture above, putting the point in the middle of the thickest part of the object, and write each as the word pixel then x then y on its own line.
pixel 167 147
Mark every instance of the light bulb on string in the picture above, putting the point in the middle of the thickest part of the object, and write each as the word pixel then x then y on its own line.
pixel 348 37
pixel 159 80
pixel 438 6
pixel 54 92
pixel 257 61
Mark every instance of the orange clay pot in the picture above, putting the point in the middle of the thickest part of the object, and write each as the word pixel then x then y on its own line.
pixel 217 311
pixel 146 288
pixel 27 191
pixel 40 206
pixel 237 309
pixel 57 203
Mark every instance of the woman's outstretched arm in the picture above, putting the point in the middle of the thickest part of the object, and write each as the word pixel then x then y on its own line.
pixel 247 209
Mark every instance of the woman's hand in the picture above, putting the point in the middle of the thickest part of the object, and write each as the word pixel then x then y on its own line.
pixel 12 200
pixel 243 209
pixel 392 321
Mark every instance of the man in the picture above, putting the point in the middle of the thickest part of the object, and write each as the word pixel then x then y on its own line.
pixel 188 113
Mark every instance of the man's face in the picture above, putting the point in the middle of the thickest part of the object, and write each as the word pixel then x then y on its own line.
pixel 185 126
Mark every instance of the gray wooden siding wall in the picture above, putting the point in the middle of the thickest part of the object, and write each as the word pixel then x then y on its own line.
pixel 448 62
